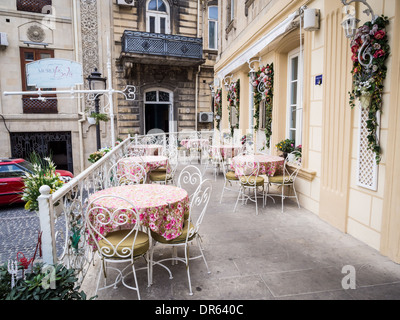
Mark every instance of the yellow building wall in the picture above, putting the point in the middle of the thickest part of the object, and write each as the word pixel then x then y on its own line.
pixel 327 186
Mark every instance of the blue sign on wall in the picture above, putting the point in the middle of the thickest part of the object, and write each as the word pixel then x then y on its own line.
pixel 54 73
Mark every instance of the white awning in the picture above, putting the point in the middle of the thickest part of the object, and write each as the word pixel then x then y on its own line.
pixel 258 46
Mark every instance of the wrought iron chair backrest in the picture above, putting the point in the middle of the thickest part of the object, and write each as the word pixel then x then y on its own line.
pixel 292 166
pixel 126 172
pixel 101 219
pixel 198 206
pixel 189 179
pixel 251 170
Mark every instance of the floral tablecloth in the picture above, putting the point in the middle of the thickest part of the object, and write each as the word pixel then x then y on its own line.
pixel 160 207
pixel 150 163
pixel 147 149
pixel 226 150
pixel 269 165
pixel 195 143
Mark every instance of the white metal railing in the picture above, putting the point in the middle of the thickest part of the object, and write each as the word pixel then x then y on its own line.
pixel 61 214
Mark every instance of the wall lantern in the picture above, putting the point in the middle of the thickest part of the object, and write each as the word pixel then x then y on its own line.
pixel 227 81
pixel 350 22
pixel 253 72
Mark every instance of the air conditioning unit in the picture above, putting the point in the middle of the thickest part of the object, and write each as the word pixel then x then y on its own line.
pixel 130 3
pixel 3 39
pixel 206 117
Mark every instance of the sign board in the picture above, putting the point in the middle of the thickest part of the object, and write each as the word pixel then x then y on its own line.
pixel 54 73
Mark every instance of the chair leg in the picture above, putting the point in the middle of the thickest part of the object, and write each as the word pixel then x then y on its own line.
pixel 136 283
pixel 187 269
pixel 255 197
pixel 237 200
pixel 222 194
pixel 295 194
pixel 202 254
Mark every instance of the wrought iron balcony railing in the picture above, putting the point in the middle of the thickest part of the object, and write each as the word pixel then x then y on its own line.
pixel 162 45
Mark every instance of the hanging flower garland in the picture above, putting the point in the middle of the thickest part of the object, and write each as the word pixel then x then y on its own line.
pixel 233 101
pixel 368 81
pixel 265 82
pixel 218 108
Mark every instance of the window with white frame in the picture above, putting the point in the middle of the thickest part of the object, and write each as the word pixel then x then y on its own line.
pixel 294 109
pixel 157 17
pixel 213 27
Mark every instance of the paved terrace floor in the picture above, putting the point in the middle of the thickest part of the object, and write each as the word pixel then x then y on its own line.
pixel 292 255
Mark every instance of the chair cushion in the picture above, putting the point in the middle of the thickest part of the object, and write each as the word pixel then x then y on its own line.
pixel 160 169
pixel 246 181
pixel 279 180
pixel 230 175
pixel 180 239
pixel 159 176
pixel 141 244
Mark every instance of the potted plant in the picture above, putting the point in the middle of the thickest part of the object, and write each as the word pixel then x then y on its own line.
pixel 44 173
pixel 95 118
pixel 97 155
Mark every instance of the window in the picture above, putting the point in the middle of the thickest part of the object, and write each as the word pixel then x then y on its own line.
pixel 157 17
pixel 36 6
pixel 213 27
pixel 30 104
pixel 11 171
pixel 294 118
pixel 230 11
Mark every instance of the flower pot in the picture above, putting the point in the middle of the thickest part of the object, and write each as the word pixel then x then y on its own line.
pixel 365 101
pixel 91 120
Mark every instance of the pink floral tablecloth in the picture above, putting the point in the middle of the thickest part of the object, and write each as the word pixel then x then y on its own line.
pixel 195 143
pixel 160 207
pixel 269 165
pixel 226 150
pixel 147 149
pixel 150 163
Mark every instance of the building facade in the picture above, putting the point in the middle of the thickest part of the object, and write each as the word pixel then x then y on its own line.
pixel 313 62
pixel 163 48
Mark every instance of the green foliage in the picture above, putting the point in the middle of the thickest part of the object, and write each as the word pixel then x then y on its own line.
pixel 44 173
pixel 97 155
pixel 36 285
pixel 368 82
pixel 99 117
pixel 218 108
pixel 234 101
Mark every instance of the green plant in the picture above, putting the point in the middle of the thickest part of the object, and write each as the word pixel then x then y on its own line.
pixel 99 117
pixel 368 81
pixel 44 173
pixel 37 284
pixel 265 76
pixel 218 108
pixel 286 146
pixel 234 102
pixel 97 155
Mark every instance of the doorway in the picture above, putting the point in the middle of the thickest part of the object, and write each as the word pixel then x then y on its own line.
pixel 158 111
pixel 157 117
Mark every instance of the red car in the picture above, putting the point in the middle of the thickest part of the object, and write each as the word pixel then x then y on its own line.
pixel 11 183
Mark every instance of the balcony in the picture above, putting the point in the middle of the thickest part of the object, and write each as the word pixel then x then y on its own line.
pixel 157 48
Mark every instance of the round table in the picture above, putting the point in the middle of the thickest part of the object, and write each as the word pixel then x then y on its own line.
pixel 150 163
pixel 147 149
pixel 160 207
pixel 269 165
pixel 194 143
pixel 226 150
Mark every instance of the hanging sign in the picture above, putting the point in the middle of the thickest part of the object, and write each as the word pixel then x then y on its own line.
pixel 54 73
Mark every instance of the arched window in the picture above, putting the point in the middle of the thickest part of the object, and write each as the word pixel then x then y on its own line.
pixel 157 17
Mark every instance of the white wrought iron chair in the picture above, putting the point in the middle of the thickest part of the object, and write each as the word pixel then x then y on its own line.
pixel 291 168
pixel 250 181
pixel 192 224
pixel 189 179
pixel 122 243
pixel 165 175
pixel 125 172
pixel 230 179
pixel 213 160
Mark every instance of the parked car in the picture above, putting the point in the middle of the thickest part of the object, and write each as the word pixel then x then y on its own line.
pixel 12 172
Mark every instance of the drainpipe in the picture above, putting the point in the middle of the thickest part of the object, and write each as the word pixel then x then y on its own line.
pixel 198 70
pixel 80 111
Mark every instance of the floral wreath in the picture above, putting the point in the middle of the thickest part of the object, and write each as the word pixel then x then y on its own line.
pixel 218 107
pixel 264 79
pixel 368 81
pixel 233 101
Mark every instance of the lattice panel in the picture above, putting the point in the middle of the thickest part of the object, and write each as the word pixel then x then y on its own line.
pixel 33 5
pixel 37 106
pixel 367 174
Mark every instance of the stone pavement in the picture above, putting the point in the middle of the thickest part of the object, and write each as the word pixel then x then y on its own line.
pixel 292 255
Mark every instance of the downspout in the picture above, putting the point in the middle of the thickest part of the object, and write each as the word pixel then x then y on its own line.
pixel 198 70
pixel 81 113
